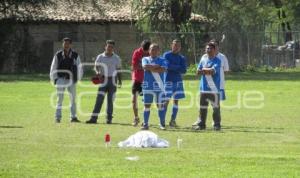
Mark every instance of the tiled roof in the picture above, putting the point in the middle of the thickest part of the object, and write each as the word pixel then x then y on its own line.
pixel 85 11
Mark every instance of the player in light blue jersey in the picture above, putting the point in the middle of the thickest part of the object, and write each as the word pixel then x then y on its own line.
pixel 153 84
pixel 174 84
pixel 209 69
pixel 224 70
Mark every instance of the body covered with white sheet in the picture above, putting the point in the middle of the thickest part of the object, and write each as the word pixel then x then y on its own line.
pixel 144 139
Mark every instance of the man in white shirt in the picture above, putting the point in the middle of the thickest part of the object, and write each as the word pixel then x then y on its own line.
pixel 224 69
pixel 107 66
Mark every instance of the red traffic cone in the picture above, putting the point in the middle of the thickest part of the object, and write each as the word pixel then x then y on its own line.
pixel 107 140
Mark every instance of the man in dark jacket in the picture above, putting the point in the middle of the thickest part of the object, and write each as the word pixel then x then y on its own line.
pixel 65 71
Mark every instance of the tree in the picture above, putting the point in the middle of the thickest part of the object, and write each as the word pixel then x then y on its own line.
pixel 154 14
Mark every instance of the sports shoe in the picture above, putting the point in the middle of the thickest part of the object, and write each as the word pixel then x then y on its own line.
pixel 196 123
pixel 136 122
pixel 75 119
pixel 108 121
pixel 199 127
pixel 217 128
pixel 172 123
pixel 144 127
pixel 57 120
pixel 91 121
pixel 162 127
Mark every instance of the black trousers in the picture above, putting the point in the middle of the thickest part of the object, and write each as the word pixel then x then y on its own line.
pixel 109 88
pixel 214 99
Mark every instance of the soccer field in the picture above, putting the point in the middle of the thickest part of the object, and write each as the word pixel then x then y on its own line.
pixel 259 137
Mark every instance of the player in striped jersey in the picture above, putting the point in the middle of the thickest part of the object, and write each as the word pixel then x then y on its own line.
pixel 209 68
pixel 224 69
pixel 153 84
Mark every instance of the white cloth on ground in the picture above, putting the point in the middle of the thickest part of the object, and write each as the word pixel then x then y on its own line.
pixel 144 139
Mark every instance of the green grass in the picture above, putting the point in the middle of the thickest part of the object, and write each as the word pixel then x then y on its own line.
pixel 253 143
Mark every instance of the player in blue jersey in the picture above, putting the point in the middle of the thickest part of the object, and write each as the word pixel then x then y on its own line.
pixel 153 84
pixel 224 70
pixel 174 85
pixel 209 69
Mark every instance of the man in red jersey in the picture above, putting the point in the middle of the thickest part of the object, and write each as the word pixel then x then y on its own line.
pixel 138 76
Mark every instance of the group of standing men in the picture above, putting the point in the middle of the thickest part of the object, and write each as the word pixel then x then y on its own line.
pixel 156 78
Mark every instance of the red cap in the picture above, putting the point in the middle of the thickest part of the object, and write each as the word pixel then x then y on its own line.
pixel 97 80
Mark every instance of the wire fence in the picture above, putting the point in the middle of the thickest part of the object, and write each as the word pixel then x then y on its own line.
pixel 272 49
pixel 33 52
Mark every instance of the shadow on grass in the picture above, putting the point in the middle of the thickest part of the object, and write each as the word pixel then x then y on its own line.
pixel 10 127
pixel 156 127
pixel 104 123
pixel 210 130
pixel 252 129
pixel 122 124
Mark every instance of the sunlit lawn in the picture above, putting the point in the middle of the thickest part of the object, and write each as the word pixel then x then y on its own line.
pixel 260 135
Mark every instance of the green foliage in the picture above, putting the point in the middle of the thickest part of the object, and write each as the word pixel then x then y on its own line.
pixel 292 7
pixel 233 16
pixel 192 69
pixel 250 68
pixel 162 15
pixel 228 15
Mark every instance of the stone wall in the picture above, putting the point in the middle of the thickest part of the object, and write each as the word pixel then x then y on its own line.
pixel 30 47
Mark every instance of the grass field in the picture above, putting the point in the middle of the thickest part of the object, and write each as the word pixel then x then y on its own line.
pixel 261 142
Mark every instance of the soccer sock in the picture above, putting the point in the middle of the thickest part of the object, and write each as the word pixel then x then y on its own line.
pixel 146 116
pixel 162 115
pixel 174 112
pixel 165 110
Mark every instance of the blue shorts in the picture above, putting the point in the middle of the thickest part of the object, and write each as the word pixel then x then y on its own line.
pixel 175 90
pixel 222 94
pixel 148 97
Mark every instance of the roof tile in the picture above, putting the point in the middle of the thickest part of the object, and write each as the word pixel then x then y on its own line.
pixel 87 11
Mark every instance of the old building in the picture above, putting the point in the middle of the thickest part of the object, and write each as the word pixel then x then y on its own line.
pixel 30 36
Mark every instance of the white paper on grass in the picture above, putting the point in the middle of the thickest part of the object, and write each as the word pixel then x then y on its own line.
pixel 132 158
pixel 144 139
